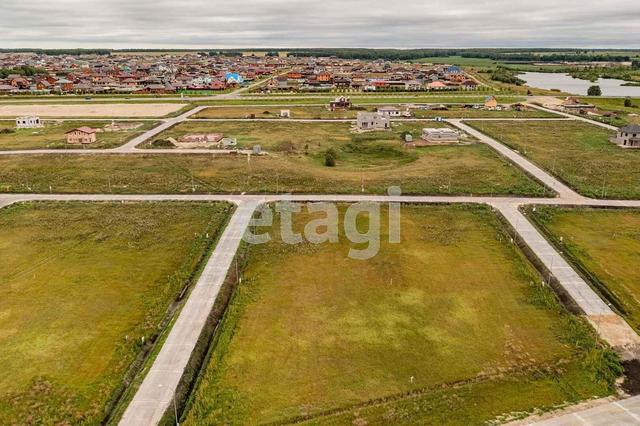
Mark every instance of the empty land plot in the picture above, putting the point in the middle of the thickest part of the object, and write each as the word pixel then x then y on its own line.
pixel 624 114
pixel 367 168
pixel 450 326
pixel 359 99
pixel 308 112
pixel 461 112
pixel 578 153
pixel 84 287
pixel 53 135
pixel 137 110
pixel 296 137
pixel 605 246
pixel 321 112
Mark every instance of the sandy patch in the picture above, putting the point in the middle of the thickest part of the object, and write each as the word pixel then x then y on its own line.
pixel 91 110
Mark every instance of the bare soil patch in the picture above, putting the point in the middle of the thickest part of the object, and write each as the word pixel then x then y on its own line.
pixel 91 110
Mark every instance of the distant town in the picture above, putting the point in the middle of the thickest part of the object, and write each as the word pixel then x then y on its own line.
pixel 41 74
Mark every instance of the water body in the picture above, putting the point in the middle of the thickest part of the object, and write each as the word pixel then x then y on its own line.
pixel 576 86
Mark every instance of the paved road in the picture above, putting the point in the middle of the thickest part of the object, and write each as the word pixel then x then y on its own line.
pixel 515 157
pixel 575 117
pixel 156 392
pixel 130 146
pixel 617 413
pixel 155 395
pixel 611 327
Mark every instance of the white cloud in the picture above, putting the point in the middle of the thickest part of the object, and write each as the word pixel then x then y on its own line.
pixel 324 23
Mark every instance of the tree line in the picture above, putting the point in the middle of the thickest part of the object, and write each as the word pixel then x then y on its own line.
pixel 24 70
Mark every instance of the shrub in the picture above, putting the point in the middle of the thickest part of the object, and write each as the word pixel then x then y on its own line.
pixel 330 158
pixel 7 131
pixel 628 103
pixel 162 143
pixel 594 91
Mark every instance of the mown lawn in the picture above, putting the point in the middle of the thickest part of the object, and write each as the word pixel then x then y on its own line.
pixel 578 153
pixel 450 326
pixel 605 246
pixel 369 167
pixel 84 287
pixel 52 135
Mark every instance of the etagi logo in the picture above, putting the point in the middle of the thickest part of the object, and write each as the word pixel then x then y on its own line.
pixel 326 228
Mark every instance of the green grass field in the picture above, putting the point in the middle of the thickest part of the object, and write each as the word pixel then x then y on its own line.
pixel 308 112
pixel 52 136
pixel 362 99
pixel 365 167
pixel 450 326
pixel 82 285
pixel 578 153
pixel 625 115
pixel 296 137
pixel 605 246
pixel 320 112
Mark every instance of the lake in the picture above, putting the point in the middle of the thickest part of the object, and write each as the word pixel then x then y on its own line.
pixel 576 86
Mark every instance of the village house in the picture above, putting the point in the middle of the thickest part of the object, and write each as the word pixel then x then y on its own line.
pixel 572 102
pixel 437 85
pixel 412 85
pixel 81 136
pixel 491 103
pixel 199 140
pixel 340 103
pixel 390 111
pixel 469 85
pixel 29 122
pixel 369 121
pixel 628 137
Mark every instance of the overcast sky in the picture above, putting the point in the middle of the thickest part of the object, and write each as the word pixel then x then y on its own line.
pixel 319 23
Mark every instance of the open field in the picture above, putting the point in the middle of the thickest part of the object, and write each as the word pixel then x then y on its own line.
pixel 460 112
pixel 309 112
pixel 360 99
pixel 578 153
pixel 85 289
pixel 605 247
pixel 451 326
pixel 473 169
pixel 320 112
pixel 95 110
pixel 296 137
pixel 52 135
pixel 625 115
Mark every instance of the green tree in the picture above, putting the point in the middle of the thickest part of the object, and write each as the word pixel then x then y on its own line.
pixel 635 65
pixel 628 103
pixel 330 158
pixel 594 91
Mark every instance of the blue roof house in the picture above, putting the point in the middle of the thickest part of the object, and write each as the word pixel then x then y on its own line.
pixel 234 78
